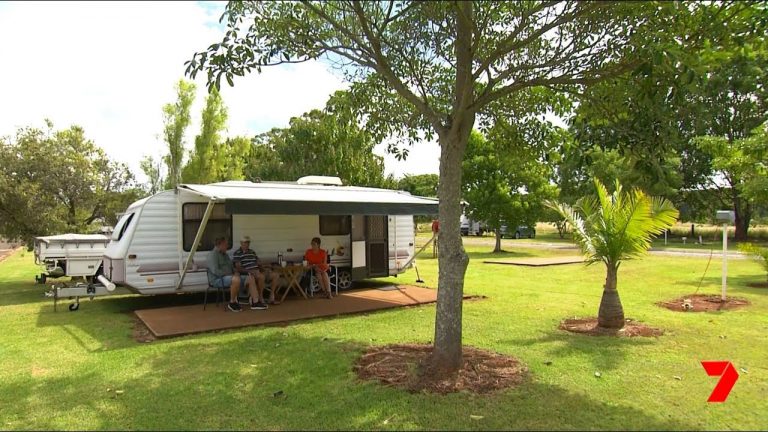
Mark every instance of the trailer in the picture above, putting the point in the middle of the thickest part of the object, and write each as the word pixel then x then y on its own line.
pixel 73 255
pixel 161 243
pixel 471 227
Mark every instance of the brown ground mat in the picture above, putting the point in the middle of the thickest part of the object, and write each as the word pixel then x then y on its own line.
pixel 182 320
pixel 538 262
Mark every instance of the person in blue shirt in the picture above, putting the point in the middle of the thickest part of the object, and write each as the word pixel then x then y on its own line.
pixel 222 274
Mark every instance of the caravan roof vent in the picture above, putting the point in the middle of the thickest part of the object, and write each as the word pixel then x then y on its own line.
pixel 319 180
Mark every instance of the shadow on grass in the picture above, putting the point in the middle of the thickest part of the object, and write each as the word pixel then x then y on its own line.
pixel 18 293
pixel 605 352
pixel 281 380
pixel 498 255
pixel 736 284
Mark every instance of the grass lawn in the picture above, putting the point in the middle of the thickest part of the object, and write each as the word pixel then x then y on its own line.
pixel 547 234
pixel 56 368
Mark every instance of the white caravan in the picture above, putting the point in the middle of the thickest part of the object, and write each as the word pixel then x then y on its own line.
pixel 160 244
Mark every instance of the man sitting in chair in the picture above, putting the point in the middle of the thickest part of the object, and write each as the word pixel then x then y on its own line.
pixel 246 261
pixel 220 266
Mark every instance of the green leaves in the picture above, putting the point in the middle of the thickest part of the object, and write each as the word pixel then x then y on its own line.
pixel 504 179
pixel 210 160
pixel 57 181
pixel 176 119
pixel 328 142
pixel 613 227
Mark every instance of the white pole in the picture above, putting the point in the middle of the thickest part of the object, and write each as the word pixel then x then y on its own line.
pixel 725 257
pixel 665 237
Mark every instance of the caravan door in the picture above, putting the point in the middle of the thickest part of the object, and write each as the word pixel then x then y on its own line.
pixel 377 250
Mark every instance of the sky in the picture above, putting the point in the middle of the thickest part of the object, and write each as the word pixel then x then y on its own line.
pixel 111 66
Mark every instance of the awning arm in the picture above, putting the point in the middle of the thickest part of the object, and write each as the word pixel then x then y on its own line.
pixel 419 251
pixel 196 243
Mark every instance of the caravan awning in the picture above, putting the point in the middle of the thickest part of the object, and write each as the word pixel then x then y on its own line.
pixel 290 198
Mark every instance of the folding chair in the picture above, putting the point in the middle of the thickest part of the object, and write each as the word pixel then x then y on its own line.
pixel 217 283
pixel 333 277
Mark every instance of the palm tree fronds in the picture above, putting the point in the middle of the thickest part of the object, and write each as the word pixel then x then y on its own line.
pixel 617 226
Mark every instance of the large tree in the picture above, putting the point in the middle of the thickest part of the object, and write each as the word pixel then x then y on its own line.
pixel 321 142
pixel 420 185
pixel 176 119
pixel 506 179
pixel 735 103
pixel 208 157
pixel 53 181
pixel 434 68
pixel 740 164
pixel 153 170
pixel 640 125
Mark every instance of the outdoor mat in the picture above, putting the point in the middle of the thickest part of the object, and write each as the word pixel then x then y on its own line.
pixel 183 320
pixel 538 262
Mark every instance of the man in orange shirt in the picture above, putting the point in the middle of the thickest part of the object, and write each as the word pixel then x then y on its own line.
pixel 317 259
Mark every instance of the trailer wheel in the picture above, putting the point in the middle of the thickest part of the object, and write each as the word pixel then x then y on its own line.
pixel 345 280
pixel 74 307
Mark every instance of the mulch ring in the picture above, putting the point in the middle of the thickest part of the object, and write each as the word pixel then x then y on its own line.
pixel 588 326
pixel 703 303
pixel 757 284
pixel 140 331
pixel 402 366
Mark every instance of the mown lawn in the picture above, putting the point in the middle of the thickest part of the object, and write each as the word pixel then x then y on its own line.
pixel 61 370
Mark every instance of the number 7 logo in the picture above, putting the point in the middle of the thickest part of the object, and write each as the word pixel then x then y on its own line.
pixel 728 377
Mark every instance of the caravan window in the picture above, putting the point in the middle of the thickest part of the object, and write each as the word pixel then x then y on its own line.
pixel 122 226
pixel 335 225
pixel 219 224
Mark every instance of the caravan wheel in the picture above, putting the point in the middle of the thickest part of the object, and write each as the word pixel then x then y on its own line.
pixel 345 280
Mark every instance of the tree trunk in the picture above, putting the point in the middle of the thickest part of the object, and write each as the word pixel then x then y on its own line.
pixel 452 260
pixel 497 248
pixel 611 313
pixel 743 215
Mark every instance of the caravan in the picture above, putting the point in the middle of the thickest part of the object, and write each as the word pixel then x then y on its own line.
pixel 160 244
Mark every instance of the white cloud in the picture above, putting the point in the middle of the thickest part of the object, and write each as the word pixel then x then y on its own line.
pixel 110 67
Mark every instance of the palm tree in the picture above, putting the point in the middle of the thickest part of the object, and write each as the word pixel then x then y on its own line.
pixel 612 228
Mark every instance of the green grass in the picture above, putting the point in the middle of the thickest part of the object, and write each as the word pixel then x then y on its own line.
pixel 56 368
pixel 711 239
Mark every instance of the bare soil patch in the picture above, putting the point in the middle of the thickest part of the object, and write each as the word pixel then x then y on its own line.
pixel 140 331
pixel 588 326
pixel 5 253
pixel 403 366
pixel 703 303
pixel 758 284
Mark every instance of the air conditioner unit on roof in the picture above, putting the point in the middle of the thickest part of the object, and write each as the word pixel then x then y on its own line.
pixel 319 180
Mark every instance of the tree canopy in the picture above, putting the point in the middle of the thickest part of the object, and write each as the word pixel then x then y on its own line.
pixel 506 178
pixel 176 119
pixel 320 142
pixel 433 68
pixel 54 181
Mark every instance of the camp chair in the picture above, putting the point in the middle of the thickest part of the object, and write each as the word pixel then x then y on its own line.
pixel 213 279
pixel 333 277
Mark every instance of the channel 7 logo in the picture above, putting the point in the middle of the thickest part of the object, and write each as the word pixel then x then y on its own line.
pixel 728 377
